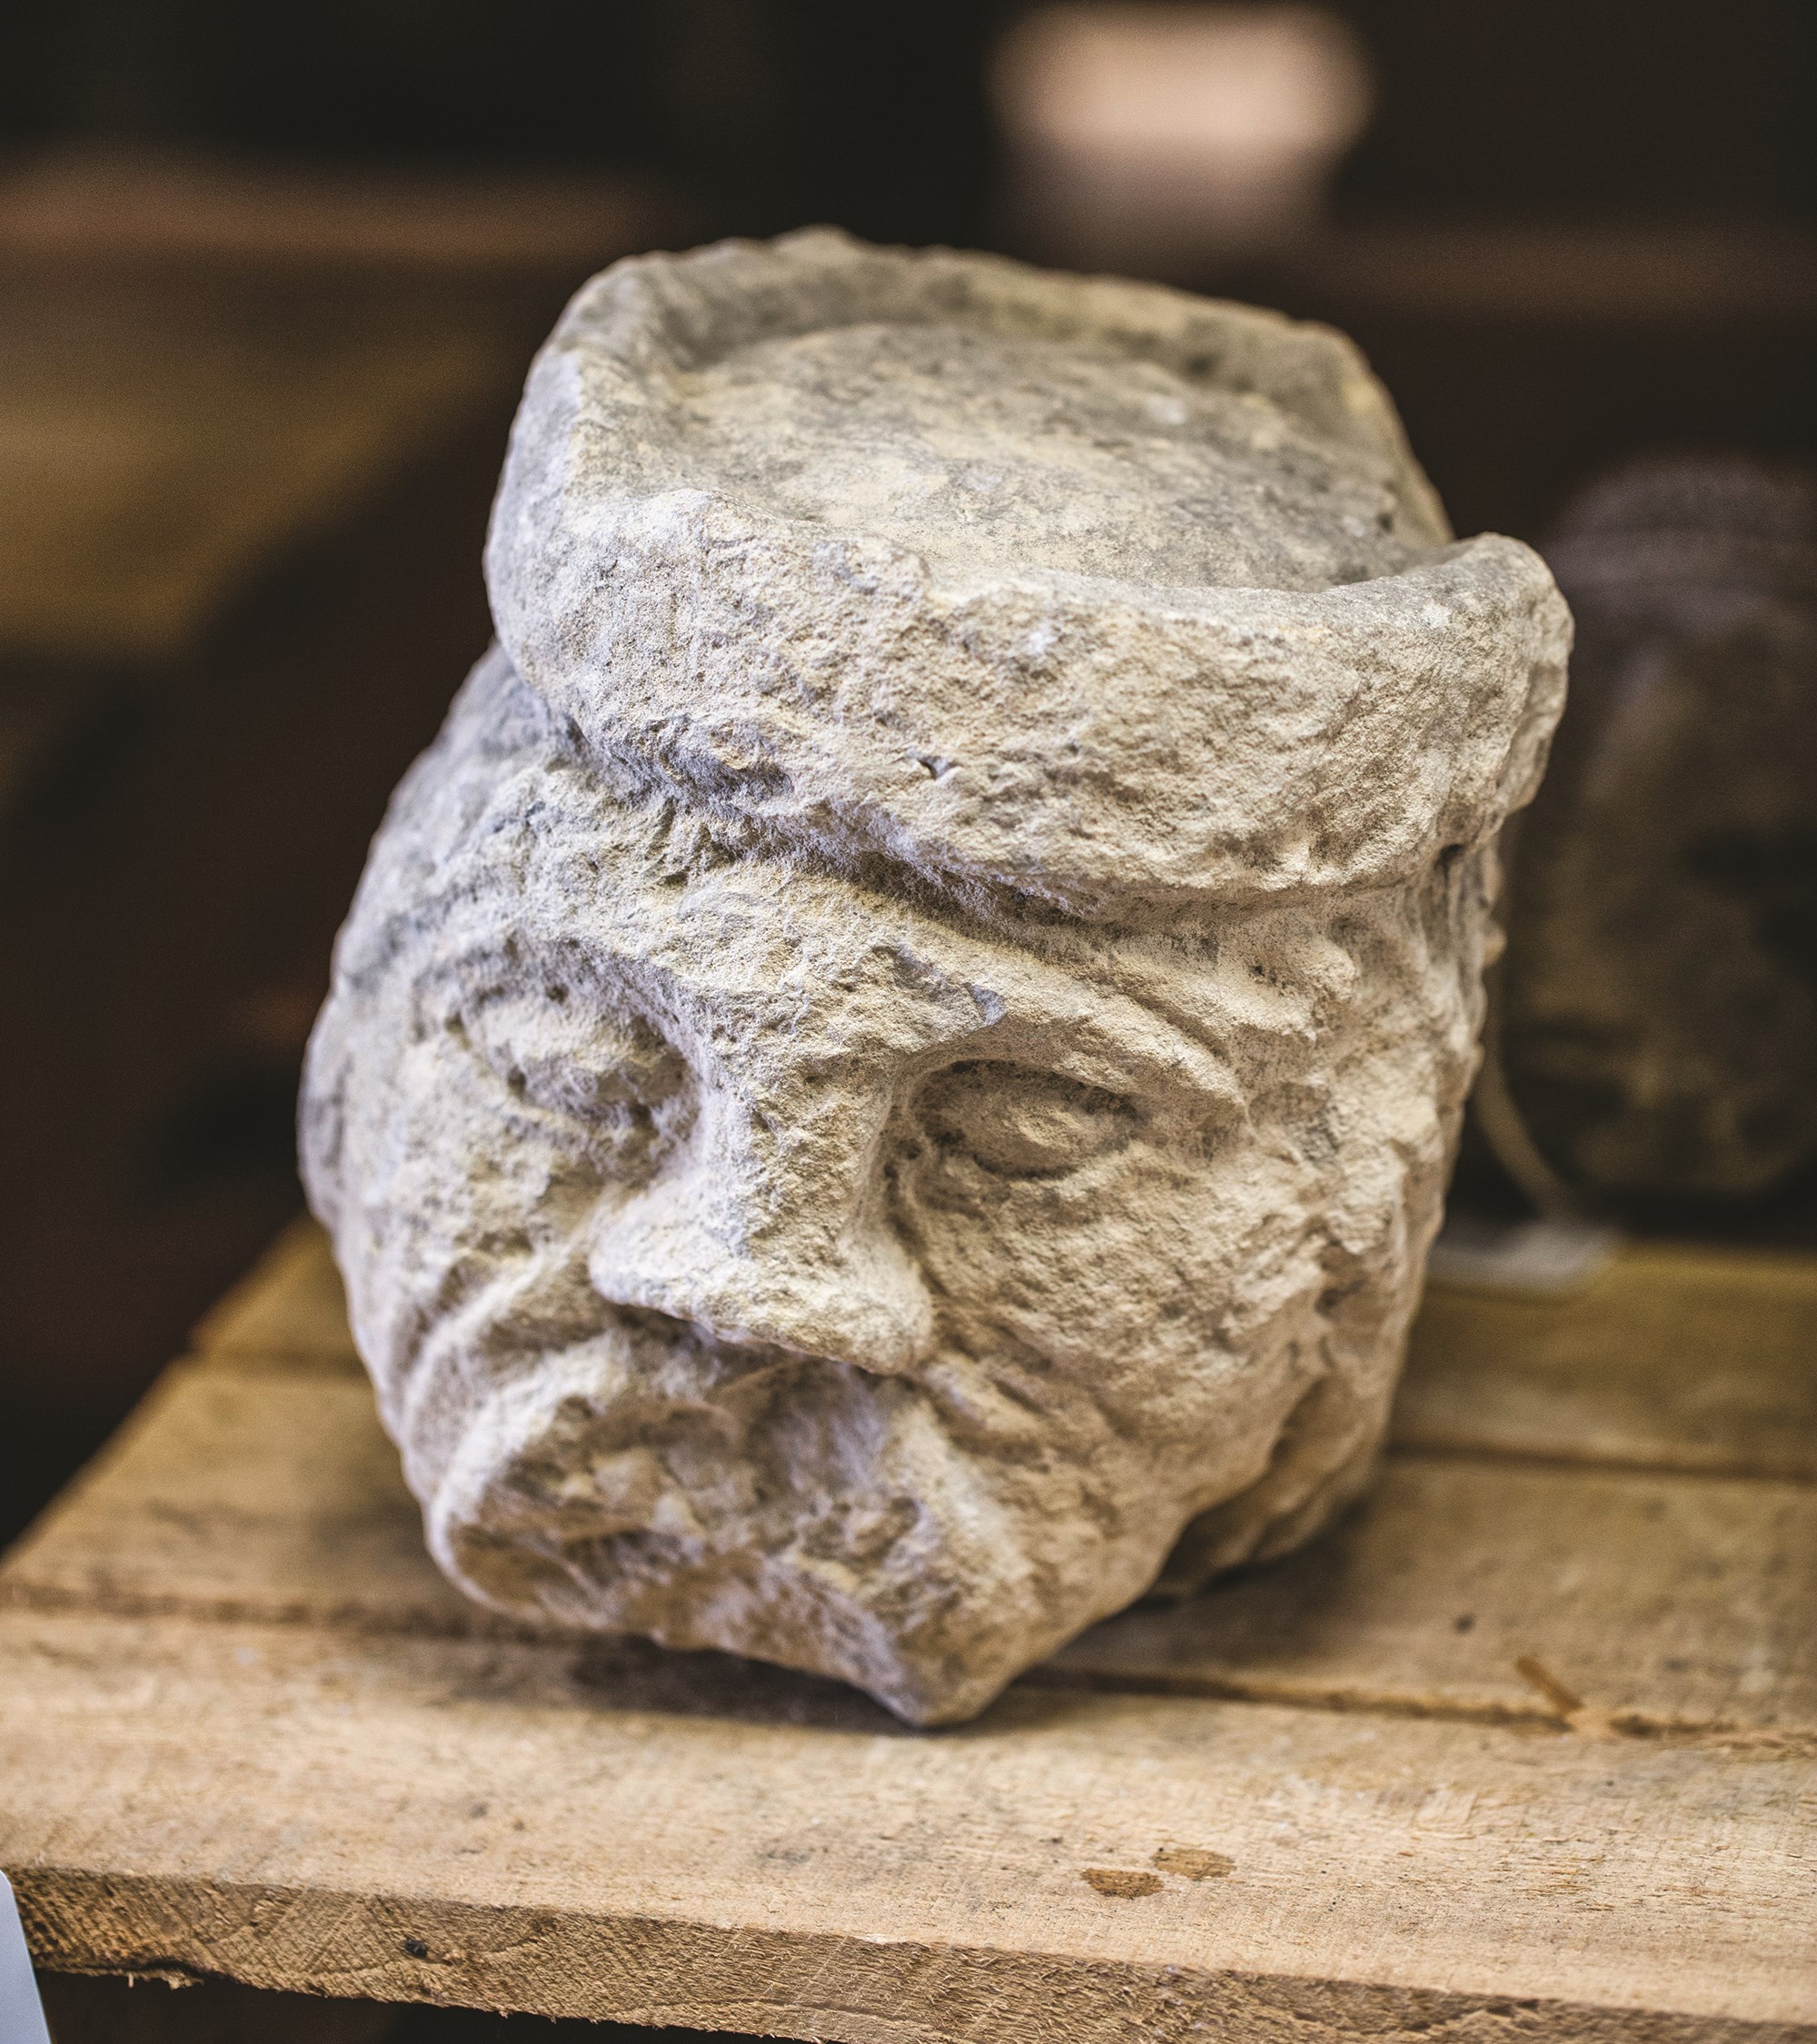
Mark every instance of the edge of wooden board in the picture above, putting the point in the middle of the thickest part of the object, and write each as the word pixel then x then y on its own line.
pixel 850 1990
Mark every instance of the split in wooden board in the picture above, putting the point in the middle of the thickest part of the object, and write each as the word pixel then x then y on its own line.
pixel 1535 1732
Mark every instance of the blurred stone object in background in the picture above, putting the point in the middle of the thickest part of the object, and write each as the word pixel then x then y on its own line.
pixel 1657 1006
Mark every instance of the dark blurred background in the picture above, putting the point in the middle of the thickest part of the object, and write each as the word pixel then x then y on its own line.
pixel 269 281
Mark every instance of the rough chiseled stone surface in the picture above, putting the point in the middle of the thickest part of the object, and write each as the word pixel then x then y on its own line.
pixel 899 1053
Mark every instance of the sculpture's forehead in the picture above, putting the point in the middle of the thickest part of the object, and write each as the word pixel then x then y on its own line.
pixel 989 453
pixel 765 950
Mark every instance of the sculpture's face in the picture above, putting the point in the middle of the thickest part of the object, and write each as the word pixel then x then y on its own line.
pixel 766 1232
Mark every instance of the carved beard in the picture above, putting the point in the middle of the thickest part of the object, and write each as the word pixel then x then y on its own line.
pixel 929 1534
pixel 753 1262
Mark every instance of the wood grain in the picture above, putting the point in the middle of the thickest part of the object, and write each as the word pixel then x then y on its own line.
pixel 302 1809
pixel 1670 1357
pixel 1527 1747
pixel 289 1310
pixel 1663 1604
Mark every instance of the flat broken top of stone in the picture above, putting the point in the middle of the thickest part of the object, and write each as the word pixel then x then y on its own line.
pixel 989 453
pixel 1089 591
pixel 995 420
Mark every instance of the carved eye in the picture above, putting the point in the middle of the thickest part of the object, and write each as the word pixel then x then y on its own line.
pixel 1016 1121
pixel 603 1069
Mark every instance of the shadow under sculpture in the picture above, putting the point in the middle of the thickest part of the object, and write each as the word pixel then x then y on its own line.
pixel 900 1050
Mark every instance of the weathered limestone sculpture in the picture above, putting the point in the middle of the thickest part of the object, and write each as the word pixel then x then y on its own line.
pixel 900 1050
pixel 1658 1006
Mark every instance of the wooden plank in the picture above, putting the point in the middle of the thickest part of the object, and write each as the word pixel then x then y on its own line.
pixel 160 446
pixel 1569 275
pixel 204 363
pixel 490 1823
pixel 246 1488
pixel 246 1730
pixel 1635 1603
pixel 290 1309
pixel 1661 1602
pixel 1670 1357
pixel 229 1494
pixel 109 207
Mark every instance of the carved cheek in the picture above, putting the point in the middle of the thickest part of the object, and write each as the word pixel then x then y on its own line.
pixel 585 1073
pixel 1010 1183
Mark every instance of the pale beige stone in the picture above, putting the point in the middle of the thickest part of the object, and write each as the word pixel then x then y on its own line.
pixel 900 1050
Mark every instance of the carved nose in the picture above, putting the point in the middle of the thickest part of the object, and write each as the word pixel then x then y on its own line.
pixel 858 1310
pixel 798 1260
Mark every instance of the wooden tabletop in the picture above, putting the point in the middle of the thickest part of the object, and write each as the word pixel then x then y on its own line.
pixel 1526 1748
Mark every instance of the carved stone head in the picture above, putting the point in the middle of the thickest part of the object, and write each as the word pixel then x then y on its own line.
pixel 1659 1001
pixel 899 1051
